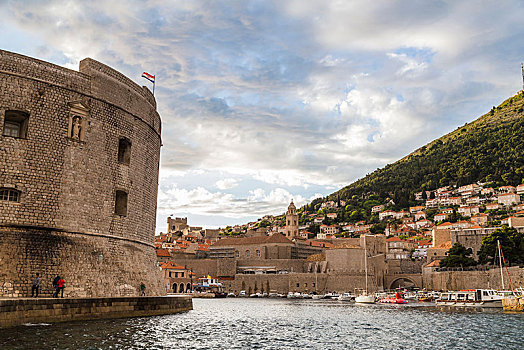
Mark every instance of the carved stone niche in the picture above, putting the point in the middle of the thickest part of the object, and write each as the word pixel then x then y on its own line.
pixel 78 114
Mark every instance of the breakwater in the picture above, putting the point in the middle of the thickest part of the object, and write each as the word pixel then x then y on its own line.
pixel 15 312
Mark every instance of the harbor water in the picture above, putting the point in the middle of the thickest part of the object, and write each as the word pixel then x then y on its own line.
pixel 243 323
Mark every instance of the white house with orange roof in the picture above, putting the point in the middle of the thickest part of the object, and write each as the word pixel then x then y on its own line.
pixel 387 214
pixel 480 219
pixel 520 189
pixel 519 207
pixel 493 206
pixel 462 224
pixel 377 208
pixel 329 229
pixel 440 217
pixel 414 210
pixel 455 201
pixel 318 219
pixel 469 211
pixel 331 215
pixel 507 199
pixel 420 215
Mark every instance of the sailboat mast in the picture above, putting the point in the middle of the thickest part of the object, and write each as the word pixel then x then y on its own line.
pixel 500 263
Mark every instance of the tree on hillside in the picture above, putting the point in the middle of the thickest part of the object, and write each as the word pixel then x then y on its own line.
pixel 458 256
pixel 511 242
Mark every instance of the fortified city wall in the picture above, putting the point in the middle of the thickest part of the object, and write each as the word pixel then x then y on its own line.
pixel 457 280
pixel 84 169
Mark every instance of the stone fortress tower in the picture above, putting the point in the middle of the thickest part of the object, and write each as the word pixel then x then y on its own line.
pixel 291 221
pixel 79 160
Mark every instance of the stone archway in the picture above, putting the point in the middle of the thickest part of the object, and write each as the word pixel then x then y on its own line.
pixel 175 287
pixel 403 283
pixel 181 288
pixel 188 288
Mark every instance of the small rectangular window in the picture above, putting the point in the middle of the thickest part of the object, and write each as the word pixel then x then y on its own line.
pixel 121 203
pixel 247 253
pixel 9 194
pixel 15 124
pixel 124 151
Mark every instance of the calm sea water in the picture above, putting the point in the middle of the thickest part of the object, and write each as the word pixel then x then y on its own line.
pixel 282 324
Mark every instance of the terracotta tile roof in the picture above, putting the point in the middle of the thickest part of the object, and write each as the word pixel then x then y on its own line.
pixel 171 265
pixel 393 239
pixel 163 253
pixel 476 226
pixel 434 263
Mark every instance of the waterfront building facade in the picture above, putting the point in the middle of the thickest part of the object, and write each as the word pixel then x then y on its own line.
pixel 78 182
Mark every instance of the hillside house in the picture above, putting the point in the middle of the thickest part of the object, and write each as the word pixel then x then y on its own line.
pixel 468 211
pixel 508 199
pixel 420 215
pixel 520 189
pixel 480 219
pixel 440 217
pixel 377 209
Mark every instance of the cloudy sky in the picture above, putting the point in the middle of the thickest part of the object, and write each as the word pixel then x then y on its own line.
pixel 265 101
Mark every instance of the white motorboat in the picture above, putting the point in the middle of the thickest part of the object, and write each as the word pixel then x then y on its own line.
pixel 345 297
pixel 365 299
pixel 317 296
pixel 489 298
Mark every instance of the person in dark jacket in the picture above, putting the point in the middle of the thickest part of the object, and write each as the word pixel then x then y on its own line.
pixel 55 286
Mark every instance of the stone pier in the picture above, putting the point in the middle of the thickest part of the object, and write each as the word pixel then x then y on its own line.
pixel 14 312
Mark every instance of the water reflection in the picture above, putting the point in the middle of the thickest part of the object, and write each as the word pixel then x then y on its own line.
pixel 283 324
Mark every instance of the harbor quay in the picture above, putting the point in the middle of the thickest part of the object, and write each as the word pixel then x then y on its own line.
pixel 19 311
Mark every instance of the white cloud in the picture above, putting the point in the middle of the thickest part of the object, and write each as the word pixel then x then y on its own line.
pixel 301 96
pixel 226 184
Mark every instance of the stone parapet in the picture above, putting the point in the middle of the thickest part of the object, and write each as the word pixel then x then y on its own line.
pixel 14 312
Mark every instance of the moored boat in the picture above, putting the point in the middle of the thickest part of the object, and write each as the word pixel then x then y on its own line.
pixel 472 298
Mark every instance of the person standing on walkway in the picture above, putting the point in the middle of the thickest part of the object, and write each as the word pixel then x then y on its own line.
pixel 61 286
pixel 55 286
pixel 35 286
pixel 142 289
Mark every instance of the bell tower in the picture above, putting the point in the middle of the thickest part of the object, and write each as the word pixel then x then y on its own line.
pixel 291 221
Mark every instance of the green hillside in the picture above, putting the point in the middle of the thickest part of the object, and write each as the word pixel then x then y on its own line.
pixel 489 149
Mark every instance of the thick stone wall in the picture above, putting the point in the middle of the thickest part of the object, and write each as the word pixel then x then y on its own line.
pixel 456 280
pixel 68 183
pixel 302 282
pixel 91 265
pixel 14 312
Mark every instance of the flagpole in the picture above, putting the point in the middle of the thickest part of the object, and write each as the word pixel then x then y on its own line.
pixel 154 86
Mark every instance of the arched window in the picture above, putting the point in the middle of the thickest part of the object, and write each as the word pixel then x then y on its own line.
pixel 247 253
pixel 9 194
pixel 181 290
pixel 188 287
pixel 175 287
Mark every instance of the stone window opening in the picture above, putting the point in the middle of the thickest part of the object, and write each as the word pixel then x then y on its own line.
pixel 247 253
pixel 121 203
pixel 124 151
pixel 237 254
pixel 9 194
pixel 15 124
pixel 258 253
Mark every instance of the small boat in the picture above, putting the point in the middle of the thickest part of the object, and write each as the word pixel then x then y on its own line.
pixel 331 295
pixel 317 296
pixel 291 295
pixel 489 298
pixel 396 299
pixel 231 295
pixel 298 295
pixel 307 296
pixel 346 297
pixel 365 299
